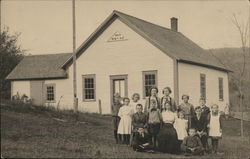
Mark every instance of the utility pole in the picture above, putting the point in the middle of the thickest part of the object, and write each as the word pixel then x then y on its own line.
pixel 0 16
pixel 74 59
pixel 1 34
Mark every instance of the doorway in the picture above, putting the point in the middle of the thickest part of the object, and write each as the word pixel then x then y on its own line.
pixel 118 84
pixel 36 92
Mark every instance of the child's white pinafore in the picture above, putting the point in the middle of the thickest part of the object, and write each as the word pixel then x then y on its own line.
pixel 125 124
pixel 214 126
pixel 181 128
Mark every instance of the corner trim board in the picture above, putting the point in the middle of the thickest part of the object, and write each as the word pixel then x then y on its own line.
pixel 176 81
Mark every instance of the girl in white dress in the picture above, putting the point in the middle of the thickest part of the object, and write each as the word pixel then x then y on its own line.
pixel 181 126
pixel 215 127
pixel 125 124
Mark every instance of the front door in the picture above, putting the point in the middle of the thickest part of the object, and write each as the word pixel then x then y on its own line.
pixel 36 92
pixel 119 84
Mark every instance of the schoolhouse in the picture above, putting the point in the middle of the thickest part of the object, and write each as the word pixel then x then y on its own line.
pixel 127 55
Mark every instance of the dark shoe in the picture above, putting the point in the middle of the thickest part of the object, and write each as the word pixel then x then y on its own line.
pixel 187 154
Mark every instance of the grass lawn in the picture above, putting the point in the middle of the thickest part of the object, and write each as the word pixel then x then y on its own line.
pixel 30 131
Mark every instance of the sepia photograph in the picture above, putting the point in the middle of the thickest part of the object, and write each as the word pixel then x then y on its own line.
pixel 125 79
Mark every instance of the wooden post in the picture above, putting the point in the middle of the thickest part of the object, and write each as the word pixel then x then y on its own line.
pixel 0 16
pixel 100 106
pixel 1 33
pixel 74 58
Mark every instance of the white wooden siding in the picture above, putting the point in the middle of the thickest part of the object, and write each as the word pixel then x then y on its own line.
pixel 63 93
pixel 22 87
pixel 189 83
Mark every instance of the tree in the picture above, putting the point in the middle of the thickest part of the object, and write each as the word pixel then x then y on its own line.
pixel 243 30
pixel 240 77
pixel 10 55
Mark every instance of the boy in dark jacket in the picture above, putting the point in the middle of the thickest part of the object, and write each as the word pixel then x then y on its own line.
pixel 139 119
pixel 191 144
pixel 141 141
pixel 205 111
pixel 199 122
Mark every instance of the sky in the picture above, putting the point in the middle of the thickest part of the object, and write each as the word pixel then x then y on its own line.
pixel 46 25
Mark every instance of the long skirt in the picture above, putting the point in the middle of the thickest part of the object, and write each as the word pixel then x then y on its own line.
pixel 167 139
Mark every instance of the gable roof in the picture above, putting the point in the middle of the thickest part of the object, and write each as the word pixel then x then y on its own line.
pixel 40 67
pixel 172 43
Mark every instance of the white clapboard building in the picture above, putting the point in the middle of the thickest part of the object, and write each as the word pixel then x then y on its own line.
pixel 128 55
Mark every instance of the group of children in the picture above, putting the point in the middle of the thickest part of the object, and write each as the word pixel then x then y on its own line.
pixel 161 124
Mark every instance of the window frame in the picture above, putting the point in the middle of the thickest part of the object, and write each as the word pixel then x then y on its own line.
pixel 155 72
pixel 203 75
pixel 221 88
pixel 83 87
pixel 54 92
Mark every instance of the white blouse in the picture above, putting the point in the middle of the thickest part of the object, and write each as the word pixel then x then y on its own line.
pixel 169 117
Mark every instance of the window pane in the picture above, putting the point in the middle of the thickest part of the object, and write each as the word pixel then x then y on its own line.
pixel 220 88
pixel 89 83
pixel 149 81
pixel 91 80
pixel 89 88
pixel 151 76
pixel 203 85
pixel 89 93
pixel 52 97
pixel 153 81
pixel 50 93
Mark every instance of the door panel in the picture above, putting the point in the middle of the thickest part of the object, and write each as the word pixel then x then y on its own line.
pixel 36 92
pixel 119 87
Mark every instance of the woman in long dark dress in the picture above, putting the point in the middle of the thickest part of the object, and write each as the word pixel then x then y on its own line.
pixel 167 137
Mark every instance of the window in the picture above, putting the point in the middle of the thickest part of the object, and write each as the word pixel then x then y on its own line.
pixel 149 80
pixel 220 88
pixel 88 87
pixel 203 85
pixel 50 92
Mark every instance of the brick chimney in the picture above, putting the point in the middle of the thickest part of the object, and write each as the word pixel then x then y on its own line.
pixel 174 24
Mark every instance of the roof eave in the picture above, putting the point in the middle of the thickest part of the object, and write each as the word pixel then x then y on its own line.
pixel 146 37
pixel 205 65
pixel 36 78
pixel 99 29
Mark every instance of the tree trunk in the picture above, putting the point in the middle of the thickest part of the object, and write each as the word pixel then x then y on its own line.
pixel 241 110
